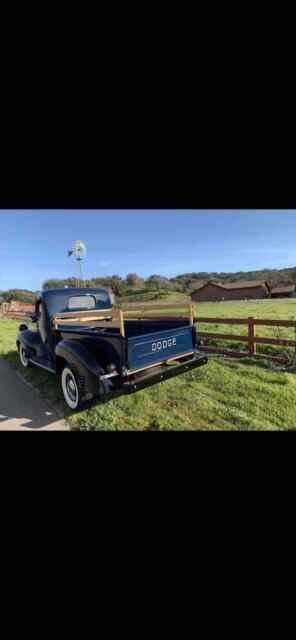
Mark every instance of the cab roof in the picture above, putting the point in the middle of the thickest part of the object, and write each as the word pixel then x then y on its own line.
pixel 56 300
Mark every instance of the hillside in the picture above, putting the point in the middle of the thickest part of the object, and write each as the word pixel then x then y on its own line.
pixel 150 295
pixel 23 295
pixel 134 285
pixel 276 277
pixel 133 288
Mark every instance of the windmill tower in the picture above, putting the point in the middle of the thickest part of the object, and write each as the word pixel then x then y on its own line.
pixel 78 252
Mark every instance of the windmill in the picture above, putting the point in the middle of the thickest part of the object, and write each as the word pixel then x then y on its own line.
pixel 79 252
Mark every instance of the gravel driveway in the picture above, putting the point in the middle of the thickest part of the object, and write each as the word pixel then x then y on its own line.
pixel 21 408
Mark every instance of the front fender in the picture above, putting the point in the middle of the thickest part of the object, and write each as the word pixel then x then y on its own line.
pixel 75 353
pixel 27 338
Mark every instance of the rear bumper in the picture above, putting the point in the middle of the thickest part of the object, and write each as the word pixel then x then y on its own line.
pixel 164 372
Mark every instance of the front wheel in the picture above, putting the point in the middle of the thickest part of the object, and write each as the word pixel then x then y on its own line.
pixel 24 358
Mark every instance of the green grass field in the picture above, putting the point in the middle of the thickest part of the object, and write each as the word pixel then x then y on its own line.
pixel 147 295
pixel 265 309
pixel 225 394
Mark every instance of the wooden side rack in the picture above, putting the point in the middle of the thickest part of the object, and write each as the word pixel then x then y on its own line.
pixel 115 316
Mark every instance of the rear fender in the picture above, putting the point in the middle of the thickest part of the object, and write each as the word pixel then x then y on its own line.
pixel 75 353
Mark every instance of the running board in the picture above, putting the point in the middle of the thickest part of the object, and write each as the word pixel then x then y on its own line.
pixel 42 366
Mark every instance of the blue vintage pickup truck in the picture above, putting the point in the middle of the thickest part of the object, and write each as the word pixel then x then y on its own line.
pixel 101 350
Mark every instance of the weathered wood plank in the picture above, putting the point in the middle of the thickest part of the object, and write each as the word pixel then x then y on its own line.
pixel 276 323
pixel 84 314
pixel 243 354
pixel 267 323
pixel 151 307
pixel 230 336
pixel 221 320
pixel 277 341
pixel 222 336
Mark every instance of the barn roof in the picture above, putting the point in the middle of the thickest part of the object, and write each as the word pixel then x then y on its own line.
pixel 288 289
pixel 246 284
pixel 240 284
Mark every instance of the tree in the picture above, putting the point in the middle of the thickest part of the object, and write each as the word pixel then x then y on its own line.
pixel 55 283
pixel 159 282
pixel 117 285
pixel 133 279
pixel 23 295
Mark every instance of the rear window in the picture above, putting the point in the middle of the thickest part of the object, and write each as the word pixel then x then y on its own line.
pixel 63 301
pixel 82 302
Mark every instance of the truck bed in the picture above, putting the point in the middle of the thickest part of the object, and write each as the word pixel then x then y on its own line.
pixel 146 343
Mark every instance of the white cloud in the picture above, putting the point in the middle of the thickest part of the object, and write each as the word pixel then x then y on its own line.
pixel 104 263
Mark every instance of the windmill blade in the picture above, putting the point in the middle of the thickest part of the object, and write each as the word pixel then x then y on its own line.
pixel 79 250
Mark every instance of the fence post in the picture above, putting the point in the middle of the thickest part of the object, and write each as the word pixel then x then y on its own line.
pixel 252 335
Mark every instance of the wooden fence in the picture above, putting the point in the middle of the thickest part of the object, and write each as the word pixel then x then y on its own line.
pixel 16 309
pixel 16 315
pixel 251 339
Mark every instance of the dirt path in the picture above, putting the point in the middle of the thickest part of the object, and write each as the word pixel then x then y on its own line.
pixel 21 408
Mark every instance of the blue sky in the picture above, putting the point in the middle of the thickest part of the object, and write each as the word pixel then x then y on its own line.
pixel 33 244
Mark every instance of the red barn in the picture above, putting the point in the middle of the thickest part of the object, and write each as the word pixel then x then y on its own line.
pixel 242 290
pixel 283 292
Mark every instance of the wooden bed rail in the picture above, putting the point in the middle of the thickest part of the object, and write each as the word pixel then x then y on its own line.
pixel 119 314
pixel 77 317
pixel 150 307
pixel 142 311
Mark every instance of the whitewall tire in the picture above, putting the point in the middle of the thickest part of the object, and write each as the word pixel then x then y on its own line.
pixel 70 389
pixel 24 357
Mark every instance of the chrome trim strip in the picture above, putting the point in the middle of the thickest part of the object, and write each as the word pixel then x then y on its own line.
pixel 131 372
pixel 42 366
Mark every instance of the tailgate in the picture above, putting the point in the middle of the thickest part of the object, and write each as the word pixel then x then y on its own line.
pixel 152 348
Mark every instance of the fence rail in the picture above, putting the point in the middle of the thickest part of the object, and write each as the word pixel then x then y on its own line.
pixel 16 315
pixel 251 339
pixel 267 323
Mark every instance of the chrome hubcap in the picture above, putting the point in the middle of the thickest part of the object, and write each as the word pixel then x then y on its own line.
pixel 71 388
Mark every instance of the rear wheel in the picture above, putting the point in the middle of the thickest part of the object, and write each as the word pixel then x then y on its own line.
pixel 71 388
pixel 77 389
